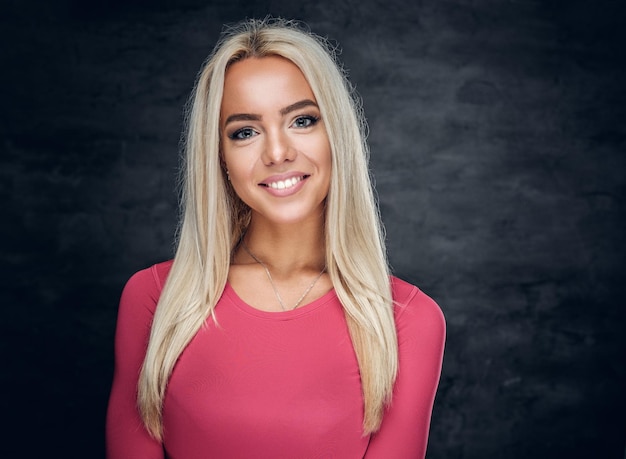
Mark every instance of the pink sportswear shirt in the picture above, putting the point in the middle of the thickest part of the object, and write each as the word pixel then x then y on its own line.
pixel 273 384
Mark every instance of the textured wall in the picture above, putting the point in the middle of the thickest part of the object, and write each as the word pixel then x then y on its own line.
pixel 497 134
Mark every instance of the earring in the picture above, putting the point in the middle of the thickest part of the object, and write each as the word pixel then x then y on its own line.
pixel 228 174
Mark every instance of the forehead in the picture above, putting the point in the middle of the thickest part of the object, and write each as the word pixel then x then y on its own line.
pixel 265 83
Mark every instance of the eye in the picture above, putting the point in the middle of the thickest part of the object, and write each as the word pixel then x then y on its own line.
pixel 243 134
pixel 305 121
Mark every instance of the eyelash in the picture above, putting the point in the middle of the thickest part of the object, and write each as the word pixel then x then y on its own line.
pixel 235 135
pixel 311 119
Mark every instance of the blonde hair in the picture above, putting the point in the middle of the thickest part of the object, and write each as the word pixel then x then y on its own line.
pixel 214 219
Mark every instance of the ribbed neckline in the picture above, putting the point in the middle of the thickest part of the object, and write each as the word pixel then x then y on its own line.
pixel 279 315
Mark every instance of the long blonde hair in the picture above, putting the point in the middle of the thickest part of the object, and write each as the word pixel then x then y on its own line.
pixel 214 218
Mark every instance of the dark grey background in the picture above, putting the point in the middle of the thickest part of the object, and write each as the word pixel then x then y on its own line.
pixel 497 134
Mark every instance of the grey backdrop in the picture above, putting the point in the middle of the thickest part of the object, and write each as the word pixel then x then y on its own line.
pixel 497 134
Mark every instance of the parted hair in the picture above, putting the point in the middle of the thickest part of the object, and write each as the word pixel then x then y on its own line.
pixel 213 219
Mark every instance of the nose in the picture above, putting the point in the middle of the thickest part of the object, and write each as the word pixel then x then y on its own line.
pixel 277 149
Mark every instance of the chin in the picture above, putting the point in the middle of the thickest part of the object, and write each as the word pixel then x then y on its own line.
pixel 294 216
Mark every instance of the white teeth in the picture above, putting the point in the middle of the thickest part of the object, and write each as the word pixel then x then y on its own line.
pixel 282 184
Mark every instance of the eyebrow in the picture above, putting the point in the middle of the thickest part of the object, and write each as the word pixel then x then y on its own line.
pixel 242 117
pixel 283 111
pixel 297 106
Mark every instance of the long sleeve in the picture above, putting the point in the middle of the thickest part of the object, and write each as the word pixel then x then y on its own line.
pixel 421 336
pixel 273 384
pixel 126 437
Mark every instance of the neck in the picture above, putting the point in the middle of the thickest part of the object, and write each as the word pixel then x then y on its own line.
pixel 286 249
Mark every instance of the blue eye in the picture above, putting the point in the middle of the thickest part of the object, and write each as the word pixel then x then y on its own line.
pixel 305 121
pixel 243 134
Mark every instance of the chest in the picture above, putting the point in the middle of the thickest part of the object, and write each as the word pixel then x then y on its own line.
pixel 250 386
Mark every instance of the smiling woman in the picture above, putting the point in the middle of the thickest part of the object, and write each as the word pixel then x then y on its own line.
pixel 277 330
pixel 275 149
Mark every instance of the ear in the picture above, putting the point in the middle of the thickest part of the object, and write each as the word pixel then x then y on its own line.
pixel 224 167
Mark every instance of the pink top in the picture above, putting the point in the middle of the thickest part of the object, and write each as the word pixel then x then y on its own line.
pixel 273 384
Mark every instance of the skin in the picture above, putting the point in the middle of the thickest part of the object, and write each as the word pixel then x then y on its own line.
pixel 272 133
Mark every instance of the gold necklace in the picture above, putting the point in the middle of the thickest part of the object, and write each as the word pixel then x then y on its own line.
pixel 269 276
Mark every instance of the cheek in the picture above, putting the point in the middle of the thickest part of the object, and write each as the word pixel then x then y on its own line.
pixel 238 163
pixel 327 159
pixel 237 176
pixel 319 148
pixel 239 179
pixel 242 189
pixel 325 165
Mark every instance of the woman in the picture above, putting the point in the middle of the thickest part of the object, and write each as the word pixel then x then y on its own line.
pixel 277 331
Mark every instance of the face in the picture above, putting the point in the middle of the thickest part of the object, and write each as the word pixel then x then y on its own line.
pixel 273 140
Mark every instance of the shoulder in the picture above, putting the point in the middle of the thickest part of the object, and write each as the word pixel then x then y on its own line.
pixel 416 310
pixel 144 287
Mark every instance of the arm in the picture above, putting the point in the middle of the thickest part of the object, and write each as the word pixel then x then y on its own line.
pixel 126 437
pixel 421 336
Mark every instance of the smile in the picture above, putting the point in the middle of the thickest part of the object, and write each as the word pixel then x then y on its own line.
pixel 284 184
